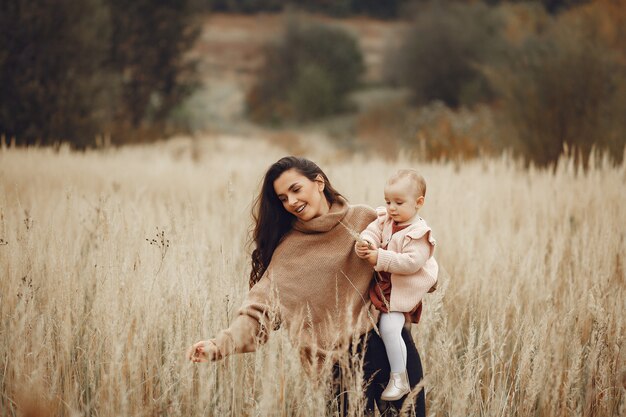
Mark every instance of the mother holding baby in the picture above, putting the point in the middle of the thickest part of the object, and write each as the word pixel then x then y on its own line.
pixel 307 277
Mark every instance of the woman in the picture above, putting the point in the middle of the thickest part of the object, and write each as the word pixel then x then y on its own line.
pixel 306 276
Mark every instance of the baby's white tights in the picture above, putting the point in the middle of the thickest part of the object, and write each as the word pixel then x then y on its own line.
pixel 390 327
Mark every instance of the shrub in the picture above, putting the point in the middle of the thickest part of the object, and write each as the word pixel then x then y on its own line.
pixel 312 94
pixel 432 132
pixel 307 74
pixel 565 87
pixel 442 52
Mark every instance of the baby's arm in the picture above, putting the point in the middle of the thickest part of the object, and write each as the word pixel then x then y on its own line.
pixel 369 241
pixel 373 233
pixel 414 256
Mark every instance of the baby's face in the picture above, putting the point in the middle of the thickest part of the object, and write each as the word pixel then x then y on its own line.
pixel 401 200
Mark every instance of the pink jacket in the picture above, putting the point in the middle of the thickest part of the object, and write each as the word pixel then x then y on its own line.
pixel 408 257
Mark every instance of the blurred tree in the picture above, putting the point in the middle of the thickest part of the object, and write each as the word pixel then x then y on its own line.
pixel 74 70
pixel 552 6
pixel 386 9
pixel 565 86
pixel 441 56
pixel 340 8
pixel 555 6
pixel 148 45
pixel 609 19
pixel 52 77
pixel 245 6
pixel 306 75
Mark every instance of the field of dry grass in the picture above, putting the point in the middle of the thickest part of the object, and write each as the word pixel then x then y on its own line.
pixel 113 262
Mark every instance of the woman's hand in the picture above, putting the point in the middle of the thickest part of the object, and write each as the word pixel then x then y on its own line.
pixel 203 351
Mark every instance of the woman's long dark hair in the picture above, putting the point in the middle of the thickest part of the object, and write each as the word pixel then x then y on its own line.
pixel 272 221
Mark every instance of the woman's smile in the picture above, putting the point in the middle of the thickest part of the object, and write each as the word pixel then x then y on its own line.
pixel 300 196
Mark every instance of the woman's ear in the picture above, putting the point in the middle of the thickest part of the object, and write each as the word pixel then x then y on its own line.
pixel 320 182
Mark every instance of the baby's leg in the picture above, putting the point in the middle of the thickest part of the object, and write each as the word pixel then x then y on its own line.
pixel 390 327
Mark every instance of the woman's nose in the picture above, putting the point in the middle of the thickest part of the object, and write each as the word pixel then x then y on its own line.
pixel 292 200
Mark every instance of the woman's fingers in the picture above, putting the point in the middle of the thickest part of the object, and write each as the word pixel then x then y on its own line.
pixel 196 352
pixel 199 359
pixel 191 352
pixel 203 351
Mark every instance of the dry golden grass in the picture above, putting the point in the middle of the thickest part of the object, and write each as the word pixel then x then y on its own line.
pixel 95 316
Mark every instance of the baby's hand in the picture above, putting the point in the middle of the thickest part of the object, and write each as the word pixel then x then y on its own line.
pixel 372 256
pixel 361 248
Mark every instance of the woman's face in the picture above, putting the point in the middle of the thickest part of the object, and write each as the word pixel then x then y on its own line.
pixel 300 196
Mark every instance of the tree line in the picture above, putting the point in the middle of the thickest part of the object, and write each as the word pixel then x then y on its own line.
pixel 382 9
pixel 550 80
pixel 71 71
pixel 554 72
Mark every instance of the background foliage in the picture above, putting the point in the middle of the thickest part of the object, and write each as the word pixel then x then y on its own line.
pixel 441 56
pixel 307 74
pixel 75 70
pixel 551 81
pixel 375 8
pixel 381 9
pixel 53 70
pixel 564 87
pixel 147 47
pixel 465 78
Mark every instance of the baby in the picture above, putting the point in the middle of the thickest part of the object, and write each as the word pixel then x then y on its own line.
pixel 400 246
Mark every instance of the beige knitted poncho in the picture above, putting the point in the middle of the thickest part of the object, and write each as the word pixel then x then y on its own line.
pixel 315 286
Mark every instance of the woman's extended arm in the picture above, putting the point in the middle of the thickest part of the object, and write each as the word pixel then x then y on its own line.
pixel 249 329
pixel 374 231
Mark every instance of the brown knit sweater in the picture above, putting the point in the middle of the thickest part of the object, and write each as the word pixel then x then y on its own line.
pixel 315 286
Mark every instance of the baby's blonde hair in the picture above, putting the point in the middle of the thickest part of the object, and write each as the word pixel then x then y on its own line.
pixel 418 182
